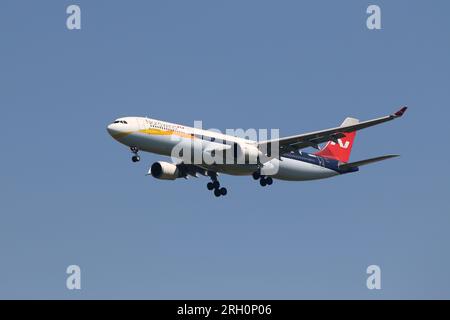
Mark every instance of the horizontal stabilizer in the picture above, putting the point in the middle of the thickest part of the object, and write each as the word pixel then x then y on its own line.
pixel 356 164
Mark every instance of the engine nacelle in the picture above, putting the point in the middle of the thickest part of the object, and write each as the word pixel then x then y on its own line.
pixel 165 171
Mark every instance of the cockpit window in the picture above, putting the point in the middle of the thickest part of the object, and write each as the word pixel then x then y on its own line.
pixel 120 121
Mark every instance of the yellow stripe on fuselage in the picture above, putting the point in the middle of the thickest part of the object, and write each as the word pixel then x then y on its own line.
pixel 160 132
pixel 156 132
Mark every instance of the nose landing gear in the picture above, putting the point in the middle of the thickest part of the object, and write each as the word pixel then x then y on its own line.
pixel 135 157
pixel 215 185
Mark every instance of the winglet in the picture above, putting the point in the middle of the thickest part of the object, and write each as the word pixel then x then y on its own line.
pixel 400 112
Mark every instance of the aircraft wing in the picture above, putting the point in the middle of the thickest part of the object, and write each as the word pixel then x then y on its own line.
pixel 191 170
pixel 313 139
pixel 215 148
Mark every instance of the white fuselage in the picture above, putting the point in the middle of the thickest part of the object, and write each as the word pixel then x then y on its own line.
pixel 162 137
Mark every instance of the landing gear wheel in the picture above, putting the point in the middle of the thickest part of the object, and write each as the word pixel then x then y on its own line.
pixel 215 185
pixel 256 175
pixel 269 181
pixel 263 182
pixel 135 157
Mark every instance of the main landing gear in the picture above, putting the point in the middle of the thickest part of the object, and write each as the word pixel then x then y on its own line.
pixel 215 185
pixel 135 157
pixel 263 180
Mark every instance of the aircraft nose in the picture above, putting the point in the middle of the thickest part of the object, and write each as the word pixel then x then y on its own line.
pixel 119 130
pixel 114 130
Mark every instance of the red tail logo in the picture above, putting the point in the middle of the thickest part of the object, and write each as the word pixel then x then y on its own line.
pixel 339 151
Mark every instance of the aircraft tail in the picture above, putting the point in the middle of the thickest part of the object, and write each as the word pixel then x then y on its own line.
pixel 341 148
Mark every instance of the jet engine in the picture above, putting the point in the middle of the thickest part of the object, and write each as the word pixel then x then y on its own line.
pixel 165 171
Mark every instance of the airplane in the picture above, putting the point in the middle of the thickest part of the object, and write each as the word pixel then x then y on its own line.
pixel 265 161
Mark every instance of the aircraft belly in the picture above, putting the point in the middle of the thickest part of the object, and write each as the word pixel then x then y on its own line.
pixel 290 169
pixel 233 169
pixel 159 144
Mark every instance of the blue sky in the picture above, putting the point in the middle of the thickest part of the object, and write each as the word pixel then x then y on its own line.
pixel 70 194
